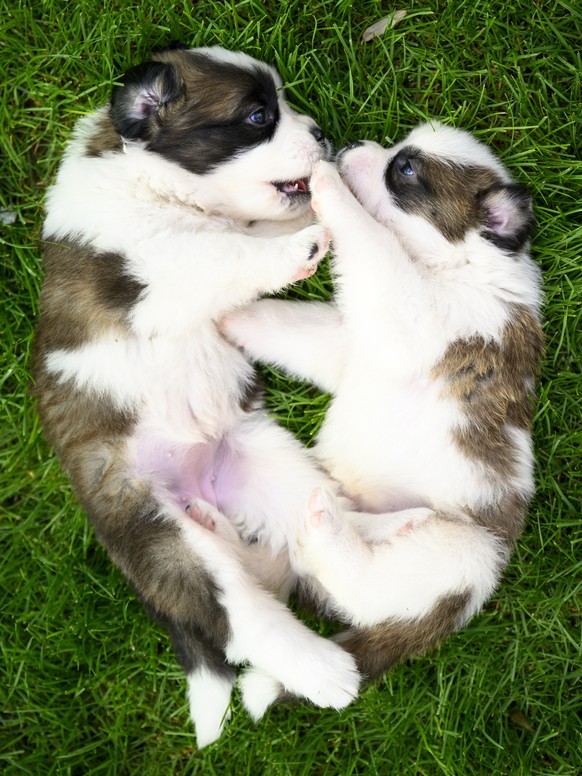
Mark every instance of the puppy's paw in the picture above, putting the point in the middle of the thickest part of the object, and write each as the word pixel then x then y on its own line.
pixel 313 244
pixel 259 691
pixel 316 539
pixel 210 518
pixel 294 257
pixel 238 326
pixel 327 190
pixel 201 513
pixel 323 512
pixel 209 698
pixel 328 546
pixel 329 679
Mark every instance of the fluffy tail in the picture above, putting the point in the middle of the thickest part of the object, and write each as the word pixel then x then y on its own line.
pixel 380 647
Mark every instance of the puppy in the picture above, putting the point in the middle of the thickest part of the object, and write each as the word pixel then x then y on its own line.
pixel 431 349
pixel 185 197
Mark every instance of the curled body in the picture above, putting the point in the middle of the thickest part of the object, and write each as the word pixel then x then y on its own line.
pixel 184 197
pixel 430 349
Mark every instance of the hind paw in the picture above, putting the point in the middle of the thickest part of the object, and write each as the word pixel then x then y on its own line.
pixel 201 516
pixel 323 513
pixel 259 691
pixel 325 524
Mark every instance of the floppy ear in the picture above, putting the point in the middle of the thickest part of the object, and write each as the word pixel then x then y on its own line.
pixel 145 90
pixel 507 216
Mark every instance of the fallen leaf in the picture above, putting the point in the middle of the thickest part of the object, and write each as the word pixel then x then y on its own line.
pixel 380 27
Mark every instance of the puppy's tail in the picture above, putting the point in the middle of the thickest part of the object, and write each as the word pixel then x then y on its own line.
pixel 380 647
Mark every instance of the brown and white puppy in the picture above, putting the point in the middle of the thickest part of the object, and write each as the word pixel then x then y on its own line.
pixel 431 349
pixel 185 197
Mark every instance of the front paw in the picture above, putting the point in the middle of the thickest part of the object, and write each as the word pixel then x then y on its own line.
pixel 316 239
pixel 327 190
pixel 246 324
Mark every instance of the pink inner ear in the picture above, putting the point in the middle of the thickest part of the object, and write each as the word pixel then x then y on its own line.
pixel 147 103
pixel 498 220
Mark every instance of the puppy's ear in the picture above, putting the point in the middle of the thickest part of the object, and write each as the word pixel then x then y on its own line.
pixel 506 216
pixel 138 105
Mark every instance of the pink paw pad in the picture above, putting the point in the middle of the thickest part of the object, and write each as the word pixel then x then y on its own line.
pixel 198 516
pixel 406 528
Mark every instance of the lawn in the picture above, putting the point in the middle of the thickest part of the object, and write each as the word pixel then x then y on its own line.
pixel 90 684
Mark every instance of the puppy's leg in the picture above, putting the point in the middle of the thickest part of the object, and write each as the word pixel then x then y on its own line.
pixel 264 493
pixel 426 555
pixel 379 528
pixel 264 633
pixel 209 694
pixel 306 339
pixel 210 678
pixel 197 581
pixel 367 257
pixel 216 273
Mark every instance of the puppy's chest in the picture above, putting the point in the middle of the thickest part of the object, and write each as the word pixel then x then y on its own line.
pixel 197 388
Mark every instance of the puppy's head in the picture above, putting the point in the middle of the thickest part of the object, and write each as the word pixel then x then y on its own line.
pixel 438 187
pixel 222 115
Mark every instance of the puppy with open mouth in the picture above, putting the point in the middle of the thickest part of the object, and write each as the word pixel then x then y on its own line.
pixel 184 197
pixel 430 349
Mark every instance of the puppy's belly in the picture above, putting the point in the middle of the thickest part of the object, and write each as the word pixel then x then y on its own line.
pixel 395 450
pixel 207 470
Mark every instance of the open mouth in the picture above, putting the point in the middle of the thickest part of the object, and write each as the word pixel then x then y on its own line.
pixel 296 188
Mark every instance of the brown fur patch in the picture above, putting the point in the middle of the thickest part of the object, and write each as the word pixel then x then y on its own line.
pixel 493 384
pixel 382 646
pixel 214 90
pixel 105 138
pixel 85 295
pixel 89 435
pixel 444 194
pixel 504 518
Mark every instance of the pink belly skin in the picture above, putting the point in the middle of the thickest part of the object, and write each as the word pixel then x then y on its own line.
pixel 209 470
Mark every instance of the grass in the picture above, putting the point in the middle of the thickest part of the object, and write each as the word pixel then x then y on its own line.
pixel 90 685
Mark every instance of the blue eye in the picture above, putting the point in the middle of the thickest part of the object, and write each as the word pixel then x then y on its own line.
pixel 257 117
pixel 406 168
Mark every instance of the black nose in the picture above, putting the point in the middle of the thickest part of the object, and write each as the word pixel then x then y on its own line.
pixel 318 134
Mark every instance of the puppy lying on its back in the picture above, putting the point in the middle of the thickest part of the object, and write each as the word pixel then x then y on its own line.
pixel 178 201
pixel 431 350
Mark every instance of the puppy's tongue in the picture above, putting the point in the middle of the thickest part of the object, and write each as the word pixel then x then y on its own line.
pixel 291 186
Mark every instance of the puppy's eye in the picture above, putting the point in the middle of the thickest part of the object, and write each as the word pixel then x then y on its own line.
pixel 258 117
pixel 406 168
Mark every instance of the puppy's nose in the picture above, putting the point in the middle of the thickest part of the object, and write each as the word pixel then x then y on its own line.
pixel 318 134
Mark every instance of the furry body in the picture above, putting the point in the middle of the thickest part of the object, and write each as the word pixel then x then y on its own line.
pixel 183 198
pixel 430 349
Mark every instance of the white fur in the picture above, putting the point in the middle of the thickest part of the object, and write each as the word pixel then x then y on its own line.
pixel 264 634
pixel 259 691
pixel 209 699
pixel 201 245
pixel 404 293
